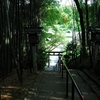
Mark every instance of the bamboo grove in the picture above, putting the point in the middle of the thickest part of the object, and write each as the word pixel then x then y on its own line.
pixel 14 49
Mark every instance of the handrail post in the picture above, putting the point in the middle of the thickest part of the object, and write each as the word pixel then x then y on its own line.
pixel 73 91
pixel 66 84
pixel 74 85
pixel 62 70
pixel 0 93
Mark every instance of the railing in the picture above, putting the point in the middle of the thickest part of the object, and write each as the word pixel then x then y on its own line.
pixel 74 85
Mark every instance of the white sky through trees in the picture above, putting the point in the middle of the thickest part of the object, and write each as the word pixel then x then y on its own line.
pixel 66 2
pixel 71 2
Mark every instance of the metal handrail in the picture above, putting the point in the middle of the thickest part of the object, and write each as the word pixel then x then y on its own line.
pixel 74 84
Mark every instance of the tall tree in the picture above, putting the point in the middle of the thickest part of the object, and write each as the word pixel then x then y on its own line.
pixel 82 26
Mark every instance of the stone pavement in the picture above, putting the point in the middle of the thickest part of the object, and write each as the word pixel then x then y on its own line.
pixel 49 85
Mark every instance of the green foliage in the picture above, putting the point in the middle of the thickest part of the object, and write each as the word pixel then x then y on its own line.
pixel 54 20
pixel 51 15
pixel 72 51
pixel 93 14
pixel 42 58
pixel 68 11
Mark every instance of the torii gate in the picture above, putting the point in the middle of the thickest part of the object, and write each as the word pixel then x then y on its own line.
pixel 56 53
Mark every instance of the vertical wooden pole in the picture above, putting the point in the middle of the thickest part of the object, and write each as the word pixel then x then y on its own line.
pixel 95 55
pixel 34 59
pixel 66 83
pixel 73 91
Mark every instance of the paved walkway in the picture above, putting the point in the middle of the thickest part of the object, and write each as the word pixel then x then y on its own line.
pixel 49 85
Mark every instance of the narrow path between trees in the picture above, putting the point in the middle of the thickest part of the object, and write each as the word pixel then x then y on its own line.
pixel 49 85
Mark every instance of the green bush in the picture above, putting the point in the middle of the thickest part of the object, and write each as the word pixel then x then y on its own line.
pixel 42 58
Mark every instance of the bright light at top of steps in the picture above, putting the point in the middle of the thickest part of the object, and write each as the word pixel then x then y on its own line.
pixel 65 2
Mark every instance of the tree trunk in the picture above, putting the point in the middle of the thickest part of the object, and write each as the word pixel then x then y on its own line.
pixel 9 36
pixel 82 27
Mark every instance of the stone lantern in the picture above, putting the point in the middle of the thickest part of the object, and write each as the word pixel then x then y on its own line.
pixel 94 37
pixel 33 34
pixel 33 38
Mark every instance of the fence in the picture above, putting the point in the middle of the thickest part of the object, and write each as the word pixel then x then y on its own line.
pixel 74 85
